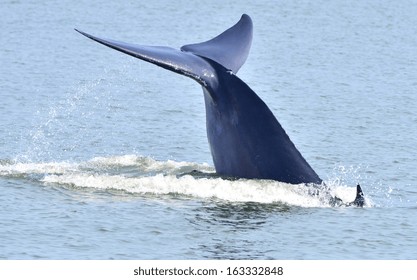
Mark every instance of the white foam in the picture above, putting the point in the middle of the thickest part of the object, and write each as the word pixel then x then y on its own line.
pixel 147 164
pixel 160 178
pixel 126 160
pixel 36 168
pixel 260 191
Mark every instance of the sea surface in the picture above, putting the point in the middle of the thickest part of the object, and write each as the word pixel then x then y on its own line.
pixel 94 143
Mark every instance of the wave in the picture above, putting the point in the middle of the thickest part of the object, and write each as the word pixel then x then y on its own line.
pixel 146 176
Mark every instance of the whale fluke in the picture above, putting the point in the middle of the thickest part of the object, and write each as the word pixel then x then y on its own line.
pixel 184 63
pixel 230 48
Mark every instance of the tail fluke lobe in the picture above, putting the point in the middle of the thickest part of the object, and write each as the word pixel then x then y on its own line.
pixel 184 63
pixel 230 49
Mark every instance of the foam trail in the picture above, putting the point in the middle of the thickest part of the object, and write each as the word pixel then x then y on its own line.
pixel 146 176
pixel 147 164
pixel 19 168
pixel 217 188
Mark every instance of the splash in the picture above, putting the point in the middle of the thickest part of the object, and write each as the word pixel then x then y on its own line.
pixel 144 176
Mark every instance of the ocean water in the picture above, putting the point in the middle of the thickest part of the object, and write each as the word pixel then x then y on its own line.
pixel 93 143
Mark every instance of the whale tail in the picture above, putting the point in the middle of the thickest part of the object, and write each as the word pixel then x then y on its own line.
pixel 229 49
pixel 245 138
pixel 264 151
